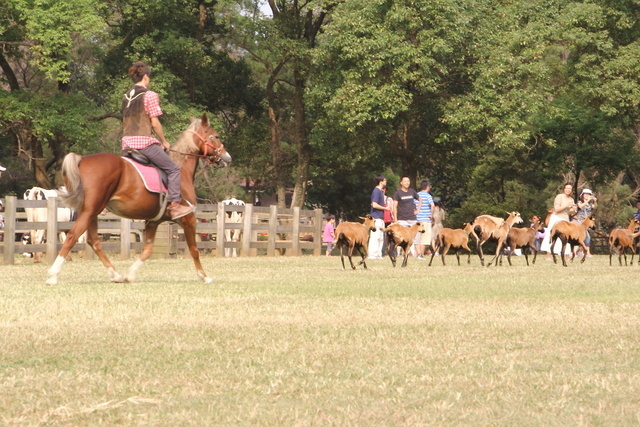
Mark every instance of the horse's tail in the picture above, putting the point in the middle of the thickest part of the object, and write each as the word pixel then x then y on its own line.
pixel 74 197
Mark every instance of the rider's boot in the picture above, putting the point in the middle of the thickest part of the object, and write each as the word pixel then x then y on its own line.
pixel 178 211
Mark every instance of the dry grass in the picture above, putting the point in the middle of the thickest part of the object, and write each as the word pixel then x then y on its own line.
pixel 300 341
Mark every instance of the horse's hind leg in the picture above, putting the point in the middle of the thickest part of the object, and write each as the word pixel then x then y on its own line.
pixel 93 239
pixel 86 222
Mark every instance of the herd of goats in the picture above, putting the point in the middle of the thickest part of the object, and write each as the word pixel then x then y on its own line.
pixel 351 236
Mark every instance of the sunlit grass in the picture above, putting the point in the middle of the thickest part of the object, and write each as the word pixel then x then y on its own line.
pixel 301 341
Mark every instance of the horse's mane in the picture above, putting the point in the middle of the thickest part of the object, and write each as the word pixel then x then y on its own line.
pixel 185 143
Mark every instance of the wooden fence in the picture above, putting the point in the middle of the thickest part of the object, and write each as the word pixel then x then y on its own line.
pixel 265 231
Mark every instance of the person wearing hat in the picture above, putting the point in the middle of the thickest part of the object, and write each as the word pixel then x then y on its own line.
pixel 586 204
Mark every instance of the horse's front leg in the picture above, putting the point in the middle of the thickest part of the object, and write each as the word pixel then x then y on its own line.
pixel 188 224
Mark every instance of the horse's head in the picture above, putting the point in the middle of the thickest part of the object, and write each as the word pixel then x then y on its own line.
pixel 209 144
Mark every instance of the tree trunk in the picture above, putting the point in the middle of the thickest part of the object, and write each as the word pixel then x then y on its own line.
pixel 401 147
pixel 277 156
pixel 31 148
pixel 302 143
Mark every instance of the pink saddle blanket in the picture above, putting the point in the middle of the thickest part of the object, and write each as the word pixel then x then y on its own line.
pixel 149 176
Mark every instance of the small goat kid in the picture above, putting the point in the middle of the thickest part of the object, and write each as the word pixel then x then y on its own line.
pixel 354 235
pixel 403 237
pixel 487 227
pixel 622 238
pixel 457 239
pixel 524 238
pixel 573 234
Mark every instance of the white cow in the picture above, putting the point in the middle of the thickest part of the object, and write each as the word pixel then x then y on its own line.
pixel 234 217
pixel 40 215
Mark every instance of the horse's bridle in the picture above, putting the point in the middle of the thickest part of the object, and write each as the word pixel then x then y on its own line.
pixel 214 157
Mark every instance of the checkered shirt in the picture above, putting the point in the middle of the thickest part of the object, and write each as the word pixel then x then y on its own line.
pixel 152 107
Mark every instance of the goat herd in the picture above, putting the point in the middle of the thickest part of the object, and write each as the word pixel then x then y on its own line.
pixel 355 235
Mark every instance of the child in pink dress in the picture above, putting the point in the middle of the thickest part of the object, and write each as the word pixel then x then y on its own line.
pixel 328 234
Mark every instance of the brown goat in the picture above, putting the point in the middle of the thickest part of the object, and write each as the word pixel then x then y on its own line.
pixel 622 238
pixel 400 236
pixel 487 227
pixel 572 233
pixel 354 235
pixel 457 239
pixel 524 238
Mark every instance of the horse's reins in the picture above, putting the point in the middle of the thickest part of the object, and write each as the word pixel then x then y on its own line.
pixel 216 151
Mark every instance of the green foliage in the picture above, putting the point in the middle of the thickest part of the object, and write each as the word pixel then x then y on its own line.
pixel 53 29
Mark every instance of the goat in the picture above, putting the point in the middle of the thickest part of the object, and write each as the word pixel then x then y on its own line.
pixel 487 227
pixel 524 238
pixel 452 238
pixel 400 236
pixel 622 238
pixel 572 233
pixel 354 235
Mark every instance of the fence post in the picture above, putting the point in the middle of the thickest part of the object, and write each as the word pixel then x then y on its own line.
pixel 317 234
pixel 246 230
pixel 295 232
pixel 125 238
pixel 52 229
pixel 221 217
pixel 273 229
pixel 9 250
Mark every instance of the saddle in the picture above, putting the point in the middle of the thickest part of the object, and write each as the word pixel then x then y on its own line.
pixel 155 180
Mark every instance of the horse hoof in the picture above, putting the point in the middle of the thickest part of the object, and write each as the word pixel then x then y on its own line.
pixel 119 279
pixel 207 280
pixel 51 281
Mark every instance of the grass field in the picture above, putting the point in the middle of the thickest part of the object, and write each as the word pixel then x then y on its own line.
pixel 299 341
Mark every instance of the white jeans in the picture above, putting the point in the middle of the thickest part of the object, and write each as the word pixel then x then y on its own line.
pixel 545 246
pixel 376 240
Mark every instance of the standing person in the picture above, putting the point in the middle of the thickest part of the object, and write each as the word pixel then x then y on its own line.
pixel 328 234
pixel 376 238
pixel 1 221
pixel 537 240
pixel 637 214
pixel 388 214
pixel 438 216
pixel 586 204
pixel 140 112
pixel 404 208
pixel 387 218
pixel 562 205
pixel 424 216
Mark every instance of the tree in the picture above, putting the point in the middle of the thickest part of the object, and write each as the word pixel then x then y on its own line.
pixel 392 65
pixel 42 60
pixel 280 48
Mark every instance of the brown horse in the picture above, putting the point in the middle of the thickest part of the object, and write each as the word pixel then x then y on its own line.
pixel 104 180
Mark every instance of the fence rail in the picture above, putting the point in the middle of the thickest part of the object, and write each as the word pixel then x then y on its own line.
pixel 266 231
